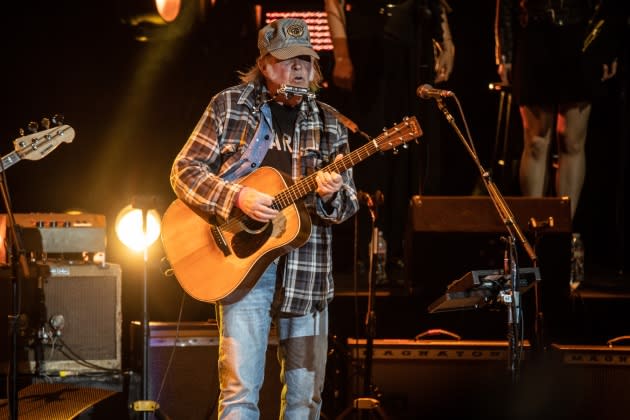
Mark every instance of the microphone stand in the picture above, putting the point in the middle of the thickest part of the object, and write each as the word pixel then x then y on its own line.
pixel 19 270
pixel 511 297
pixel 368 401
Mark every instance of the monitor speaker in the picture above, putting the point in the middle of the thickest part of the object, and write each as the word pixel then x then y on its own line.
pixel 435 378
pixel 183 376
pixel 475 379
pixel 578 381
pixel 63 401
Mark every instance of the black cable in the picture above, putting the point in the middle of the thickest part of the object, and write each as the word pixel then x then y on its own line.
pixel 172 355
pixel 80 360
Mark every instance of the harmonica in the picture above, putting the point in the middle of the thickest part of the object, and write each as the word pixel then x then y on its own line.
pixel 294 90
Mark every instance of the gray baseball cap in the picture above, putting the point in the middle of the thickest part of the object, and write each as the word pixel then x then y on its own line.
pixel 285 38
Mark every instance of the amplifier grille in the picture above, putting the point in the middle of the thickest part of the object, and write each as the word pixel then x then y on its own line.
pixel 88 298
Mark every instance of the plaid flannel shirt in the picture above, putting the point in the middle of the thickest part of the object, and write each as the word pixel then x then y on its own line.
pixel 214 148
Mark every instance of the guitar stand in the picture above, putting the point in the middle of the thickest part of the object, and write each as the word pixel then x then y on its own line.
pixel 368 403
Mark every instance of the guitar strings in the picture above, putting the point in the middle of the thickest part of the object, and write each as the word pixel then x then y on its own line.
pixel 304 186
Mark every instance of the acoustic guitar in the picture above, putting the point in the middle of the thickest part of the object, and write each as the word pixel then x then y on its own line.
pixel 223 261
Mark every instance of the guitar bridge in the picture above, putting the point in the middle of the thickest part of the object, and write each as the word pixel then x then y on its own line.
pixel 220 240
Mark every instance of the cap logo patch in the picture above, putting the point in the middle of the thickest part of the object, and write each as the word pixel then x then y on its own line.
pixel 295 30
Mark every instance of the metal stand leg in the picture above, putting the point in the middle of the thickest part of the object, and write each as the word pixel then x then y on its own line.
pixel 367 404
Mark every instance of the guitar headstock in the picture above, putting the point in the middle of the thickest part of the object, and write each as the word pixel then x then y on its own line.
pixel 38 144
pixel 399 134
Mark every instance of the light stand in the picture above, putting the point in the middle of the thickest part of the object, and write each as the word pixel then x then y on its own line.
pixel 512 297
pixel 138 226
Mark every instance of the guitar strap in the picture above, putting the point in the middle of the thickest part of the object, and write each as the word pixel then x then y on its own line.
pixel 256 149
pixel 350 125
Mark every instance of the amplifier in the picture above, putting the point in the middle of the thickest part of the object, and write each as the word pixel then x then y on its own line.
pixel 431 378
pixel 87 298
pixel 588 355
pixel 183 376
pixel 47 234
pixel 579 381
pixel 477 214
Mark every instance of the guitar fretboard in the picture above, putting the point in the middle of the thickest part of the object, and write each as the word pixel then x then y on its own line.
pixel 400 134
pixel 9 160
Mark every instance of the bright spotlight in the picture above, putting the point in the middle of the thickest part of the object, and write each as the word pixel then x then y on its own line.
pixel 136 232
pixel 156 12
pixel 168 9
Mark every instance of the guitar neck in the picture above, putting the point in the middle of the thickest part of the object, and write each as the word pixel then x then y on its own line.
pixel 304 186
pixel 400 134
pixel 9 160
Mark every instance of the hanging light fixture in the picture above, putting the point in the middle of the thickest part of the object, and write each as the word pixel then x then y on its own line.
pixel 157 20
pixel 157 12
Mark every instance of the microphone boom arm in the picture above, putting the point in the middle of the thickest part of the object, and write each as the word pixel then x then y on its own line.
pixel 497 199
pixel 514 231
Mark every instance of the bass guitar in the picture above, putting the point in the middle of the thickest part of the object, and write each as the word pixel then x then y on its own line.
pixel 35 146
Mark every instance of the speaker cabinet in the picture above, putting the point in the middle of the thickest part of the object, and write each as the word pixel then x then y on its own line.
pixel 183 376
pixel 578 381
pixel 85 302
pixel 88 297
pixel 435 379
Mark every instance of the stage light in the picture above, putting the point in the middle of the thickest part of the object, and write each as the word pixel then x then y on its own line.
pixel 156 12
pixel 161 20
pixel 137 228
pixel 168 9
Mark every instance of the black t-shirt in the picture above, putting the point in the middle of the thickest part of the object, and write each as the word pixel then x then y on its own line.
pixel 279 154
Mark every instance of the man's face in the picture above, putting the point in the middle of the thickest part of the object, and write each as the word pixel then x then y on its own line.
pixel 296 71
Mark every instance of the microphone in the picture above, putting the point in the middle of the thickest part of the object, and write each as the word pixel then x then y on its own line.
pixel 429 92
pixel 57 322
pixel 53 329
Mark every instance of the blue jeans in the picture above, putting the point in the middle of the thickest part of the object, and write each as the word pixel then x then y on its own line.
pixel 244 333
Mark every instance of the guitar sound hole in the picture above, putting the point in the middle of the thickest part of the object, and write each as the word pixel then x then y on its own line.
pixel 246 243
pixel 253 226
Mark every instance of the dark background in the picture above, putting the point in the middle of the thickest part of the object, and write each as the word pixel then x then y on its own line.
pixel 133 104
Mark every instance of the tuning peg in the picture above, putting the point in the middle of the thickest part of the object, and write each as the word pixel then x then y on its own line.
pixel 45 123
pixel 32 127
pixel 21 132
pixel 57 119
